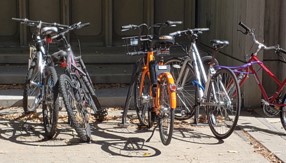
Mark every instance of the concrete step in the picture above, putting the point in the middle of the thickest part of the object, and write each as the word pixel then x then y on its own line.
pixel 108 97
pixel 100 73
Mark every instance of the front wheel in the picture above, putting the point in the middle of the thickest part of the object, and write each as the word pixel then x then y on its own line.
pixel 166 112
pixel 224 95
pixel 283 113
pixel 73 97
pixel 185 88
pixel 50 102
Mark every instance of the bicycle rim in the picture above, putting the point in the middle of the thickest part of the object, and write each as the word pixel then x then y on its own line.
pixel 185 91
pixel 50 103
pixel 166 114
pixel 223 118
pixel 143 101
pixel 75 106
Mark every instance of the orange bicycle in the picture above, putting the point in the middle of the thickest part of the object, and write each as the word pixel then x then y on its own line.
pixel 154 87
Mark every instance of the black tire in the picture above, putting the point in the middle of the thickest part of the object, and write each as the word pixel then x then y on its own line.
pixel 50 107
pixel 186 93
pixel 78 113
pixel 32 89
pixel 166 114
pixel 283 113
pixel 223 119
pixel 143 102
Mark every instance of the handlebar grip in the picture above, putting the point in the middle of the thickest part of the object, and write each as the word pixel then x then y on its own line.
pixel 244 26
pixel 83 25
pixel 127 27
pixel 173 22
pixel 175 33
pixel 20 19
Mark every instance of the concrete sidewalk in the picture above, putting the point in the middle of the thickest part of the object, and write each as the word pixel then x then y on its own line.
pixel 112 143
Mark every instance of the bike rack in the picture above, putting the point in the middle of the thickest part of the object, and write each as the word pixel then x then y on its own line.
pixel 123 123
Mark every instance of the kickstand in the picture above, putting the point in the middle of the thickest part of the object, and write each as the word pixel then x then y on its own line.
pixel 148 140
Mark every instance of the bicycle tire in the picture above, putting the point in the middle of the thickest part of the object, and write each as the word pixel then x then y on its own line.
pixel 77 113
pixel 143 102
pixel 185 93
pixel 50 107
pixel 32 89
pixel 166 113
pixel 283 113
pixel 222 120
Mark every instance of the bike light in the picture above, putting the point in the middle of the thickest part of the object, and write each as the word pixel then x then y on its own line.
pixel 49 40
pixel 63 64
pixel 173 87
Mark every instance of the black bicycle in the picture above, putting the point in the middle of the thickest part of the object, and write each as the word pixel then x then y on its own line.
pixel 40 84
pixel 76 87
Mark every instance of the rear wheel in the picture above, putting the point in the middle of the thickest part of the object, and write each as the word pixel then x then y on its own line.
pixel 185 89
pixel 283 113
pixel 224 91
pixel 166 114
pixel 73 97
pixel 50 102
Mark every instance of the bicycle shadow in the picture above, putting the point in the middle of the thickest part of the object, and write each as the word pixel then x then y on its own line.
pixel 25 131
pixel 119 145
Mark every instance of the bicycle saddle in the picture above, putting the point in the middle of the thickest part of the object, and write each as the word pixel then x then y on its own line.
pixel 164 39
pixel 49 30
pixel 219 43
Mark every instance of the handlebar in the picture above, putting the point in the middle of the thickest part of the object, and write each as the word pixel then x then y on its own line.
pixel 38 24
pixel 78 25
pixel 260 45
pixel 189 32
pixel 133 26
pixel 247 29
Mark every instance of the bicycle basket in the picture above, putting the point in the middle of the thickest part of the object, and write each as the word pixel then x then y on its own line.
pixel 133 45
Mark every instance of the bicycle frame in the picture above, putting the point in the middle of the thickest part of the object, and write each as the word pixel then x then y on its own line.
pixel 200 72
pixel 146 70
pixel 249 69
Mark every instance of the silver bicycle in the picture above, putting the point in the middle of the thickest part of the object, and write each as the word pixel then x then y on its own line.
pixel 216 91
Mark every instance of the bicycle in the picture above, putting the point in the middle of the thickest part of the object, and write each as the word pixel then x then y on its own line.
pixel 76 86
pixel 153 85
pixel 275 103
pixel 41 79
pixel 217 90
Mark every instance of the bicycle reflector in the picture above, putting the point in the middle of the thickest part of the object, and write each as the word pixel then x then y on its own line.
pixel 63 64
pixel 173 87
pixel 49 40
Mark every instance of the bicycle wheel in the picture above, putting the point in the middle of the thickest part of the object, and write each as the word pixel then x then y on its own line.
pixel 224 88
pixel 283 113
pixel 50 102
pixel 185 90
pixel 78 113
pixel 166 114
pixel 32 89
pixel 143 101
